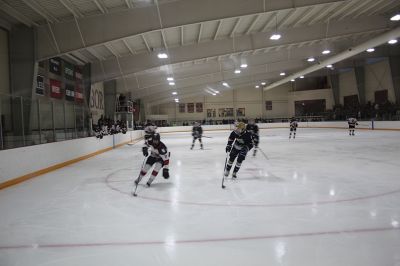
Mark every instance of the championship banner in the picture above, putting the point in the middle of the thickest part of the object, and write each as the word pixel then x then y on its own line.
pixel 68 71
pixel 78 93
pixel 55 88
pixel 96 103
pixel 39 85
pixel 69 92
pixel 78 73
pixel 55 65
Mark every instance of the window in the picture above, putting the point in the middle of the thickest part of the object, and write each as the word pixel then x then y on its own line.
pixel 181 108
pixel 190 107
pixel 211 112
pixel 225 112
pixel 268 105
pixel 241 112
pixel 199 107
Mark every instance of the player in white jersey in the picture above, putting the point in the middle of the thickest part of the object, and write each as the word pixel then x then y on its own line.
pixel 293 127
pixel 352 125
pixel 159 157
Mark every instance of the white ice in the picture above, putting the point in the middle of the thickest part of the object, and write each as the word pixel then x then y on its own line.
pixel 323 199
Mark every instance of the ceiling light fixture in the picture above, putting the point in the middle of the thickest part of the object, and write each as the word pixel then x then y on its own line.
pixel 370 50
pixel 237 71
pixel 174 93
pixel 326 51
pixel 275 36
pixel 395 17
pixel 257 86
pixel 392 41
pixel 292 80
pixel 162 55
pixel 311 59
pixel 263 83
pixel 329 66
pixel 301 77
pixel 282 74
pixel 225 84
pixel 243 65
pixel 170 79
pixel 171 83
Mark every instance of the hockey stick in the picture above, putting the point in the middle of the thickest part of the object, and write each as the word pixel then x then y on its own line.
pixel 223 174
pixel 134 191
pixel 263 153
pixel 207 137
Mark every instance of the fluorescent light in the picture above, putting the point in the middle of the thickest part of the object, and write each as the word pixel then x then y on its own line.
pixel 214 94
pixel 237 71
pixel 217 92
pixel 257 86
pixel 292 80
pixel 170 79
pixel 370 50
pixel 171 83
pixel 311 59
pixel 282 74
pixel 395 17
pixel 275 36
pixel 176 99
pixel 263 83
pixel 174 93
pixel 301 77
pixel 225 84
pixel 329 66
pixel 243 65
pixel 392 41
pixel 326 51
pixel 162 55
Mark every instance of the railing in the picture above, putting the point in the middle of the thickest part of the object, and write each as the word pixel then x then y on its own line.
pixel 25 122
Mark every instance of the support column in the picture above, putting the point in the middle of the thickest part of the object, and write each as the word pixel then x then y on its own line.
pixel 394 62
pixel 360 79
pixel 334 82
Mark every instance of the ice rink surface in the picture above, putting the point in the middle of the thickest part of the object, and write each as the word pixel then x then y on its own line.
pixel 324 199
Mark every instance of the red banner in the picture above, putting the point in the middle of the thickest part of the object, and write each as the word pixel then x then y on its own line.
pixel 55 89
pixel 78 93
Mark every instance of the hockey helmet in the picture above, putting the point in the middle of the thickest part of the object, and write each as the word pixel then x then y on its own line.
pixel 156 137
pixel 240 127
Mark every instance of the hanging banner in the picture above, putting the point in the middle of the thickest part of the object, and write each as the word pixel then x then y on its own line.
pixel 68 70
pixel 78 73
pixel 96 103
pixel 69 92
pixel 55 65
pixel 39 85
pixel 55 89
pixel 78 93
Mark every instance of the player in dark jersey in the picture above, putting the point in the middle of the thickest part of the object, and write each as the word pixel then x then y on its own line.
pixel 352 125
pixel 197 132
pixel 253 129
pixel 159 157
pixel 293 127
pixel 239 143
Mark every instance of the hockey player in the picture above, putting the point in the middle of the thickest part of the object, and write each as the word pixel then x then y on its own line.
pixel 253 129
pixel 239 143
pixel 352 125
pixel 149 131
pixel 197 132
pixel 159 157
pixel 293 127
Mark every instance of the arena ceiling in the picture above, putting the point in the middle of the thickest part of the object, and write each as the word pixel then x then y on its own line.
pixel 205 40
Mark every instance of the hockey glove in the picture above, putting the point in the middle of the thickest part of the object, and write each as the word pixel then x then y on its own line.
pixel 228 148
pixel 145 151
pixel 165 173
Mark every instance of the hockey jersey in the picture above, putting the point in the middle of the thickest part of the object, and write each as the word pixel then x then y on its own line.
pixel 241 140
pixel 159 151
pixel 352 122
pixel 197 131
pixel 293 124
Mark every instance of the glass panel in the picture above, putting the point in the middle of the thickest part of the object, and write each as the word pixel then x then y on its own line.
pixel 46 122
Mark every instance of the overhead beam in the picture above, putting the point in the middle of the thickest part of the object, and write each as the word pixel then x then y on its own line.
pixel 374 42
pixel 38 9
pixel 131 50
pixel 68 5
pixel 254 42
pixel 145 42
pixel 145 19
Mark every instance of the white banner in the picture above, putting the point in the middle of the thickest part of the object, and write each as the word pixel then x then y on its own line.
pixel 96 103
